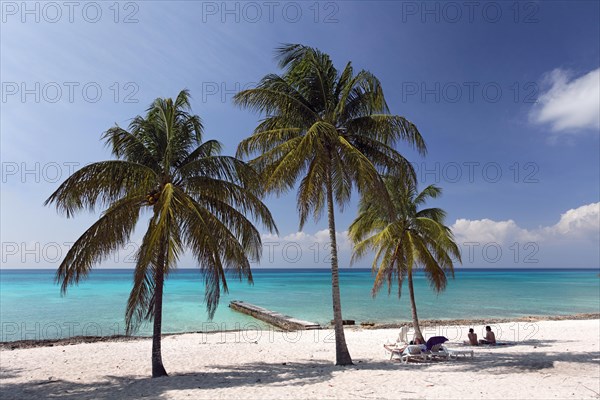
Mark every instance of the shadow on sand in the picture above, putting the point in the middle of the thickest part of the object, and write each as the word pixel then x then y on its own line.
pixel 500 360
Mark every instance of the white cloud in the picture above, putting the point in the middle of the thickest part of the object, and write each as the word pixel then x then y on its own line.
pixel 569 105
pixel 296 237
pixel 571 242
pixel 581 222
pixel 303 238
pixel 487 230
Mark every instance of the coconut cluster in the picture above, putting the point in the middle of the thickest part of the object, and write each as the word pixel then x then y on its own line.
pixel 153 197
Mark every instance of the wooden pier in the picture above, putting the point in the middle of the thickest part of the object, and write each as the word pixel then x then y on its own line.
pixel 279 320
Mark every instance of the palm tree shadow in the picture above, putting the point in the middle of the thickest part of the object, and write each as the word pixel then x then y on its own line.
pixel 130 387
pixel 503 362
pixel 544 342
pixel 276 375
pixel 112 387
pixel 8 373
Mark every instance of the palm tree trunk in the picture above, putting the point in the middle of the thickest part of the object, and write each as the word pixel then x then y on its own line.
pixel 413 306
pixel 342 355
pixel 157 365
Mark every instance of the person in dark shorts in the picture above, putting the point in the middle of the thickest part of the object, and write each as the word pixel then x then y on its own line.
pixel 490 337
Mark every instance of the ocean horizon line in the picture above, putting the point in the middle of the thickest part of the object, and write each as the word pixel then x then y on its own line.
pixel 328 269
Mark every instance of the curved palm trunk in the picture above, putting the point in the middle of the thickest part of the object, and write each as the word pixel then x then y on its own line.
pixel 342 355
pixel 157 365
pixel 413 307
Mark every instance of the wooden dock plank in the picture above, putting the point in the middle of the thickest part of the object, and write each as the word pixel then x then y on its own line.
pixel 271 317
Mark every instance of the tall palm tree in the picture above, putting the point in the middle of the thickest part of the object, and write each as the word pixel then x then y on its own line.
pixel 194 197
pixel 331 128
pixel 404 239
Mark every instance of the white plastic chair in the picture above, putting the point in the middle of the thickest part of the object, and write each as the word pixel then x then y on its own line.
pixel 439 351
pixel 413 352
pixel 403 335
pixel 400 343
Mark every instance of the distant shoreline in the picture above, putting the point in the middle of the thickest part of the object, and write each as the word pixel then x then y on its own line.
pixel 32 343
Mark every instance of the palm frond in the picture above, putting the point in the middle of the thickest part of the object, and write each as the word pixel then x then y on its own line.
pixel 108 234
pixel 419 237
pixel 102 182
pixel 198 198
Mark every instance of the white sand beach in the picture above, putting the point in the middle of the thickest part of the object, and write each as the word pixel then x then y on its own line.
pixel 542 360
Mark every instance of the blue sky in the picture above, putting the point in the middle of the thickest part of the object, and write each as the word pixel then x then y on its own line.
pixel 506 95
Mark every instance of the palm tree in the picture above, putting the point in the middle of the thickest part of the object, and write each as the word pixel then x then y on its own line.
pixel 196 199
pixel 405 239
pixel 332 129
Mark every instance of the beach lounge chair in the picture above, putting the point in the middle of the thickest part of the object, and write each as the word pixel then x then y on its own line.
pixel 439 351
pixel 413 352
pixel 402 338
pixel 435 348
pixel 403 335
pixel 396 348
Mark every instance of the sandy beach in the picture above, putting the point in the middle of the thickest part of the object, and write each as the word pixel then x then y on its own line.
pixel 541 360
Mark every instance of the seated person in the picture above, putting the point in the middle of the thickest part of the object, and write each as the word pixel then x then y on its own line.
pixel 416 340
pixel 472 338
pixel 490 338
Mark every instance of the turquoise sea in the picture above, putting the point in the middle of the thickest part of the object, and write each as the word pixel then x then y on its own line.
pixel 31 306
